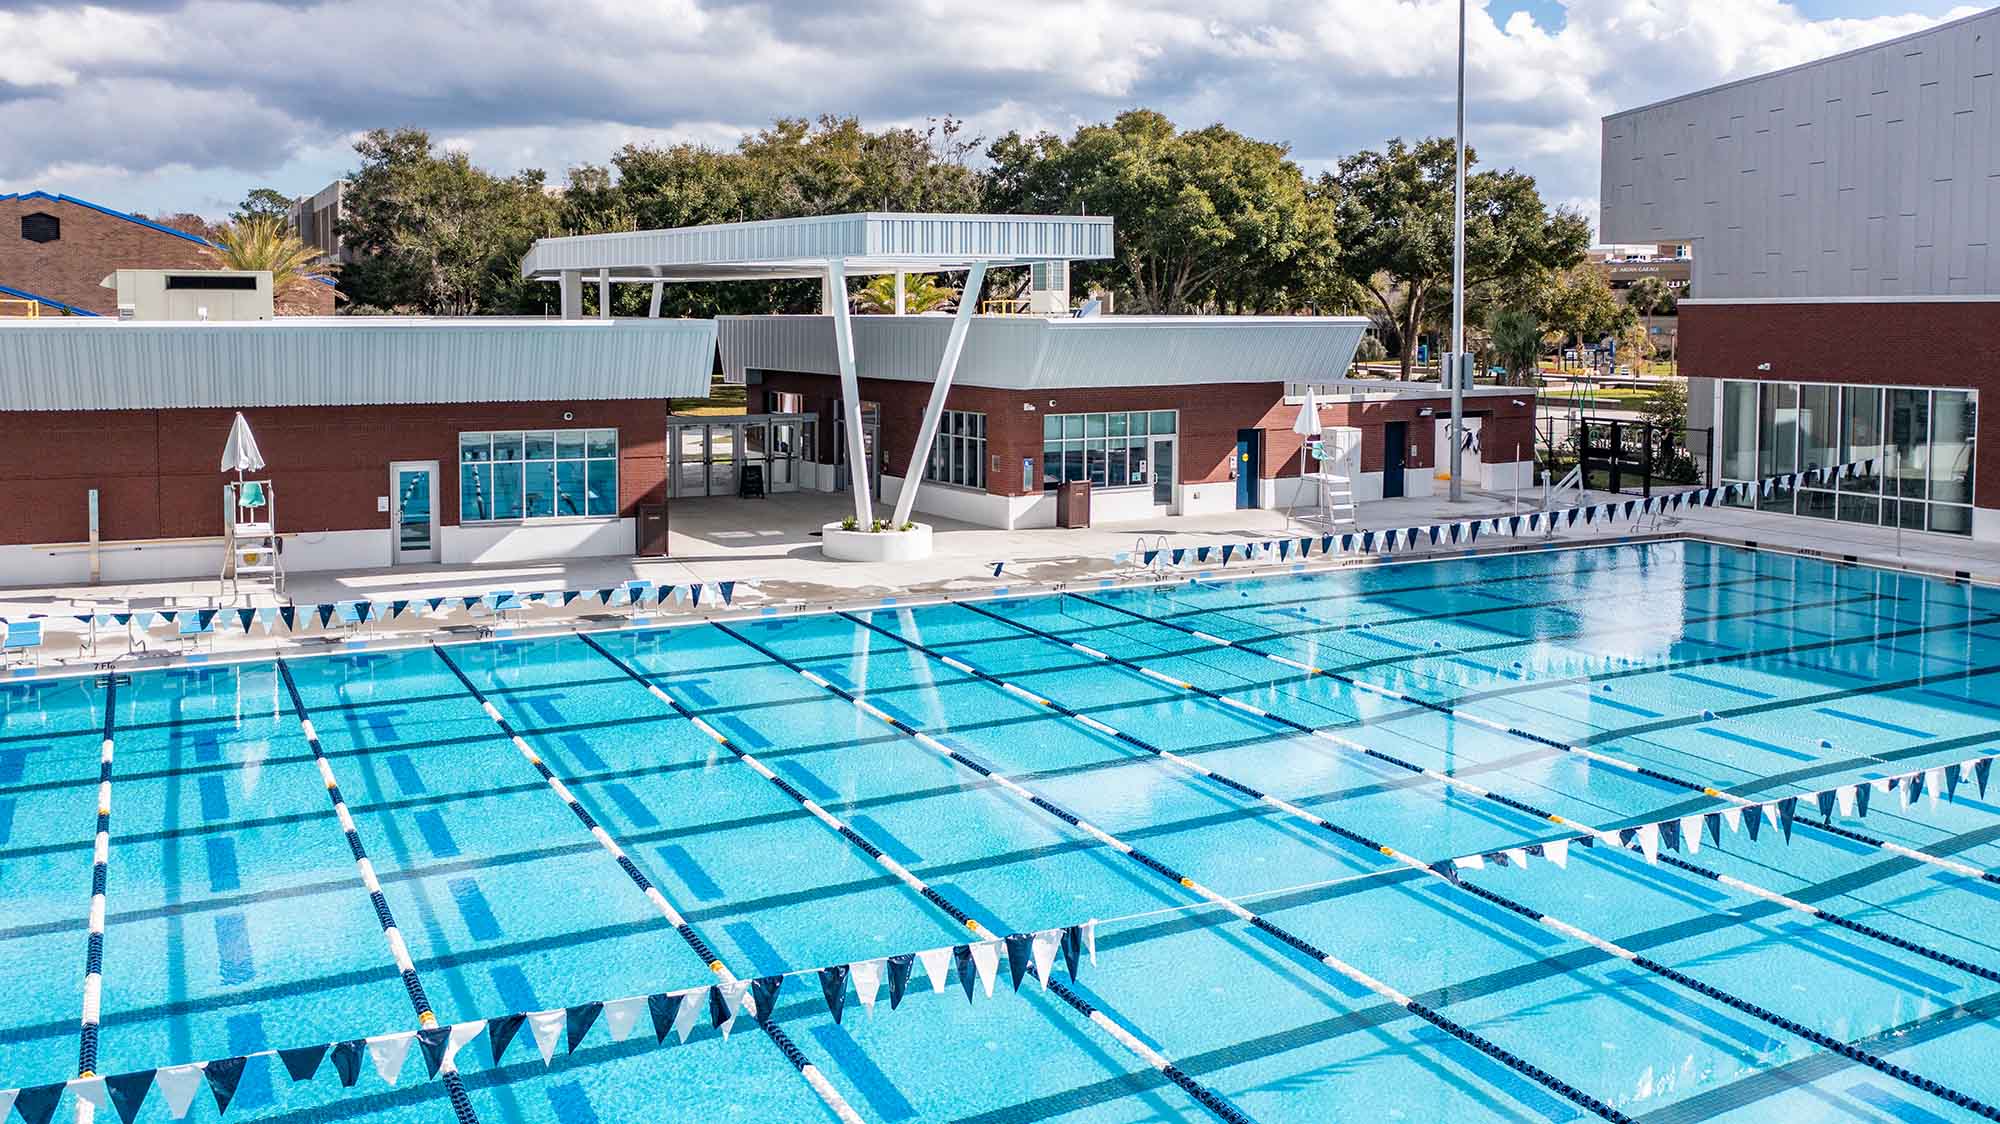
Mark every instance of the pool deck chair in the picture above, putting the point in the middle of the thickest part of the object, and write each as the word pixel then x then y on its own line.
pixel 23 643
pixel 190 629
pixel 501 603
pixel 637 594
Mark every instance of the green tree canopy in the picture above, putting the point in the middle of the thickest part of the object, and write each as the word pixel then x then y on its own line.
pixel 1516 335
pixel 1396 226
pixel 267 243
pixel 921 293
pixel 1650 296
pixel 262 203
pixel 435 234
pixel 1580 304
pixel 1206 218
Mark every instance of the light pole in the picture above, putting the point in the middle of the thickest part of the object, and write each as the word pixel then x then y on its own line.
pixel 1458 365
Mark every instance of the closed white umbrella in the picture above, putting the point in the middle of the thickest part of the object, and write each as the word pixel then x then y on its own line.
pixel 1305 425
pixel 240 454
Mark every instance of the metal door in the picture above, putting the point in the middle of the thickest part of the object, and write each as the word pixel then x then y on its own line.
pixel 1395 449
pixel 413 512
pixel 1248 467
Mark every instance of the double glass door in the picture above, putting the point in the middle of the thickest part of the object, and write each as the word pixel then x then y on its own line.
pixel 709 456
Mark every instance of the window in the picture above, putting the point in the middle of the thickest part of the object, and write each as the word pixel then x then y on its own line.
pixel 1109 450
pixel 537 474
pixel 1921 443
pixel 958 456
pixel 41 227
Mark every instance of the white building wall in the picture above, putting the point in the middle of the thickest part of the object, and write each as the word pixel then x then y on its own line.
pixel 1872 173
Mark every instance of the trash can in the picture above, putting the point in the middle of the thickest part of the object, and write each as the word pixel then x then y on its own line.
pixel 1073 504
pixel 652 531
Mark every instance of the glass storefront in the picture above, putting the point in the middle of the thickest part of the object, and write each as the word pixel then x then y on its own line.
pixel 1920 440
pixel 1123 450
pixel 709 454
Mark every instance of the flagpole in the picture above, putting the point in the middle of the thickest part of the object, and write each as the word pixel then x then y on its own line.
pixel 1458 282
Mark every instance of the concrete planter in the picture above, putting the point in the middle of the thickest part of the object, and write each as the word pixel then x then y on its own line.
pixel 875 546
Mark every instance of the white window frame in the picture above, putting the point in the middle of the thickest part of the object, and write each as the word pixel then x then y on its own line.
pixel 581 436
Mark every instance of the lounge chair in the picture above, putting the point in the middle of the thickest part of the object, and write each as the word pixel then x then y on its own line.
pixel 191 626
pixel 23 642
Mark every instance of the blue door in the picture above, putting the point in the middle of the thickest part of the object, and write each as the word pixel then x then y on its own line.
pixel 1249 467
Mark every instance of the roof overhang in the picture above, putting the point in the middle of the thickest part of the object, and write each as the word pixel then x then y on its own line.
pixel 866 243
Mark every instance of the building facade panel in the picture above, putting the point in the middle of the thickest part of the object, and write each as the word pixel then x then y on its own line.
pixel 1871 173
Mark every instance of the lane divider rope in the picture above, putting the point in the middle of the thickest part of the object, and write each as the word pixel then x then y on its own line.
pixel 1452 877
pixel 809 1071
pixel 1586 834
pixel 1203 1095
pixel 413 986
pixel 1712 791
pixel 1464 1034
pixel 100 875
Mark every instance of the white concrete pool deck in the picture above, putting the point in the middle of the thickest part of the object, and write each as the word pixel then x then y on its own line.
pixel 769 546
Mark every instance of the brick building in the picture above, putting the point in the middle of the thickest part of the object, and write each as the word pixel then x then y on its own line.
pixel 1841 215
pixel 387 440
pixel 57 250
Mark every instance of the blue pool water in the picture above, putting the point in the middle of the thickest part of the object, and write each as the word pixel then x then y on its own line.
pixel 237 920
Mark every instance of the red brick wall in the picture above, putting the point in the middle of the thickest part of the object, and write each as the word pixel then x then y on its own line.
pixel 1952 344
pixel 1209 418
pixel 94 245
pixel 155 470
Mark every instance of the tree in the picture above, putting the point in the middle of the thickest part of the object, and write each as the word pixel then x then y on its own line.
pixel 1650 296
pixel 1206 218
pixel 921 293
pixel 267 243
pixel 1517 344
pixel 263 203
pixel 1580 304
pixel 1396 223
pixel 434 234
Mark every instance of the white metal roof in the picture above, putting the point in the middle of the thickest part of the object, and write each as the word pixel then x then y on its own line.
pixel 869 243
pixel 76 363
pixel 1035 353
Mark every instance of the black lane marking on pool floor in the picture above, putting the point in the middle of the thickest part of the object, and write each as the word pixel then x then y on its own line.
pixel 774 1032
pixel 1512 804
pixel 406 969
pixel 1202 1095
pixel 1490 1049
pixel 1458 881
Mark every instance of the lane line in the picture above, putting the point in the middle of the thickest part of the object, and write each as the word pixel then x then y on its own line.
pixel 1464 1034
pixel 813 1077
pixel 413 986
pixel 1203 1095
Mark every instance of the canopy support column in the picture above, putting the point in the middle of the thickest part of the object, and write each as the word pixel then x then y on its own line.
pixel 954 346
pixel 604 294
pixel 572 294
pixel 834 294
pixel 902 294
pixel 653 310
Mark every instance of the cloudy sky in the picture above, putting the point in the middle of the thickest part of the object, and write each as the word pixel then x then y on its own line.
pixel 167 105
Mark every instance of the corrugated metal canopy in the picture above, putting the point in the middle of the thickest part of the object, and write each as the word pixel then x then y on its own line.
pixel 868 243
pixel 77 364
pixel 1035 353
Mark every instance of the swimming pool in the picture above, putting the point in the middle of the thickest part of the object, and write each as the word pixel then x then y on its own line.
pixel 964 743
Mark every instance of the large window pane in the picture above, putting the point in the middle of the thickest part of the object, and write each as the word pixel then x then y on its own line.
pixel 1051 426
pixel 1909 440
pixel 602 443
pixel 1951 447
pixel 474 448
pixel 541 494
pixel 1163 421
pixel 1861 441
pixel 1818 426
pixel 541 446
pixel 1094 461
pixel 603 486
pixel 1777 440
pixel 1093 425
pixel 506 446
pixel 1739 431
pixel 1051 463
pixel 1951 519
pixel 569 488
pixel 507 498
pixel 475 492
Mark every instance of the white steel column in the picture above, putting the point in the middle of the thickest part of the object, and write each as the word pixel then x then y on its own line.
pixel 572 294
pixel 954 345
pixel 833 293
pixel 604 294
pixel 902 297
pixel 653 310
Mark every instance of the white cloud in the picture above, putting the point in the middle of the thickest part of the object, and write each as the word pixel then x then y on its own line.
pixel 210 97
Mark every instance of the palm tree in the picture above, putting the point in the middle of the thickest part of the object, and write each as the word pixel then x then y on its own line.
pixel 1517 343
pixel 268 244
pixel 921 293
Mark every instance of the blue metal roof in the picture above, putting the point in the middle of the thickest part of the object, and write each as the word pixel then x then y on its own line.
pixel 23 294
pixel 101 209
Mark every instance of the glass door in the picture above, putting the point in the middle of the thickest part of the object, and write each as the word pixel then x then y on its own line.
pixel 687 445
pixel 724 449
pixel 1164 473
pixel 784 456
pixel 413 512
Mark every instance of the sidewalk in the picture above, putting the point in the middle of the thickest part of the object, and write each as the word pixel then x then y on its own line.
pixel 770 549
